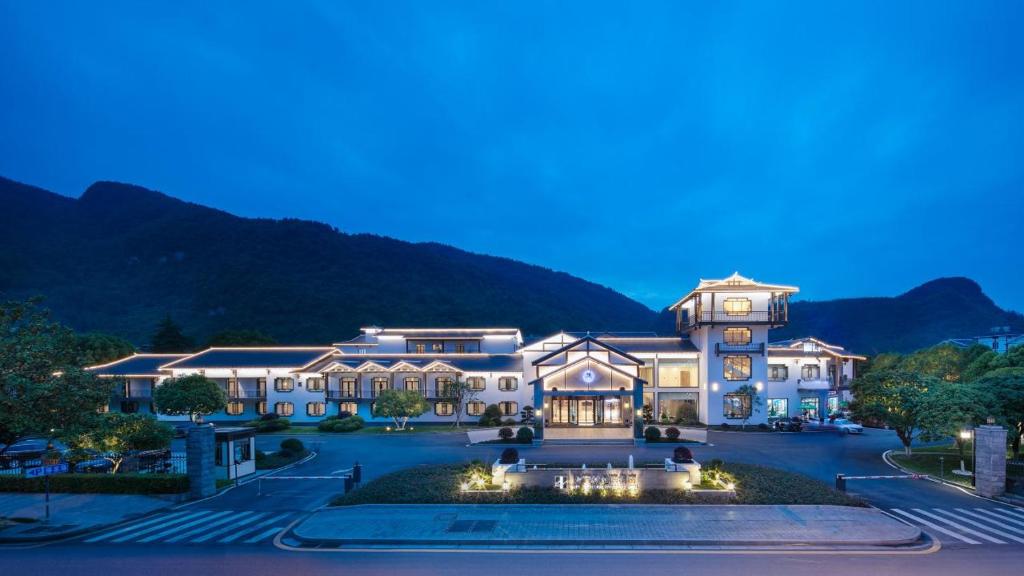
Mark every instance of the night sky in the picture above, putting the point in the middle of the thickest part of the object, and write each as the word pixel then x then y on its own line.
pixel 856 150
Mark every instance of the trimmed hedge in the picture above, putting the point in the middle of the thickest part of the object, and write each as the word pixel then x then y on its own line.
pixel 99 484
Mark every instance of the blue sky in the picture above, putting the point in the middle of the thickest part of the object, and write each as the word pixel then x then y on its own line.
pixel 851 150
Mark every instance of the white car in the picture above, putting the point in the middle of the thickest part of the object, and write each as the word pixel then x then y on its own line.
pixel 848 427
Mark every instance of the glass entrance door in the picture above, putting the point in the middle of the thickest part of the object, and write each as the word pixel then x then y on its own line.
pixel 561 412
pixel 585 407
pixel 612 411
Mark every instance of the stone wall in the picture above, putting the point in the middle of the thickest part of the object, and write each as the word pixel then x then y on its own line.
pixel 990 460
pixel 199 450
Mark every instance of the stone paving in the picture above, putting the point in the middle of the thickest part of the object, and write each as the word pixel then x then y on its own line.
pixel 603 525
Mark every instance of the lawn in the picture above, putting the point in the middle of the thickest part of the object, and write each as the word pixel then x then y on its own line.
pixel 439 484
pixel 277 459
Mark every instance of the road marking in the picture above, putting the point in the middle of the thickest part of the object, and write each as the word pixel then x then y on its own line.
pixel 983 526
pixel 160 518
pixel 264 534
pixel 192 533
pixel 250 529
pixel 961 527
pixel 1014 512
pixel 934 526
pixel 231 527
pixel 995 518
pixel 992 512
pixel 181 527
pixel 191 519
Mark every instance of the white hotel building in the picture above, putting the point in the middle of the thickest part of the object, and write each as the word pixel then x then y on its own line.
pixel 574 381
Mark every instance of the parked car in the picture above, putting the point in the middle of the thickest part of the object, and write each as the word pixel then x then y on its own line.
pixel 847 426
pixel 793 424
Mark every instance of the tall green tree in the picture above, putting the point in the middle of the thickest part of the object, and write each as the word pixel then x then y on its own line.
pixel 118 434
pixel 399 405
pixel 1007 387
pixel 96 348
pixel 194 396
pixel 42 390
pixel 240 338
pixel 892 398
pixel 944 361
pixel 949 407
pixel 169 338
pixel 754 396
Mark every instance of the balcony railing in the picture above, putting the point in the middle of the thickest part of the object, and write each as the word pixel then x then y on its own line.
pixel 723 348
pixel 752 317
pixel 820 384
pixel 135 394
pixel 341 394
pixel 244 393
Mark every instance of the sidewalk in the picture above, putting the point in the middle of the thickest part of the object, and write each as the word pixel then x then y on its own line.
pixel 70 514
pixel 599 526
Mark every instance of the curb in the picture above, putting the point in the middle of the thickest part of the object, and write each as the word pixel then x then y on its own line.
pixel 929 477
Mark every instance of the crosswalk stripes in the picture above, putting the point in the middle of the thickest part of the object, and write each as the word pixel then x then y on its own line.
pixel 976 526
pixel 198 527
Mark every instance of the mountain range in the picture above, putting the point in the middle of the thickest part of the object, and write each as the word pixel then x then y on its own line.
pixel 120 258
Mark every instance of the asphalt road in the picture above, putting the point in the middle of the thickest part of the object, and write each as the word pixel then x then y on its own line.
pixel 272 504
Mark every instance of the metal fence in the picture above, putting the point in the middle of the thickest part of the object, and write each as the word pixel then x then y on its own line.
pixel 141 462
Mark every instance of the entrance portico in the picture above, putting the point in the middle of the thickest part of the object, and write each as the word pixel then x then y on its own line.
pixel 587 390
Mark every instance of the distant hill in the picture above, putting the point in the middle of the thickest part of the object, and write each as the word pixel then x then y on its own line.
pixel 120 257
pixel 932 312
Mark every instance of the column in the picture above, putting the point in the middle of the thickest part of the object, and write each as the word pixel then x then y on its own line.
pixel 990 460
pixel 199 454
pixel 540 411
pixel 638 404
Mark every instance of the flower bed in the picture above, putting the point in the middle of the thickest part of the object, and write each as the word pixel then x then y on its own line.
pixel 443 484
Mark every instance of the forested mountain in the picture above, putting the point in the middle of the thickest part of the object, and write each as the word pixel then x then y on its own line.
pixel 924 316
pixel 120 258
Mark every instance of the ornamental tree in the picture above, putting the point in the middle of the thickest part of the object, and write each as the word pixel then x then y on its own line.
pixel 118 434
pixel 42 390
pixel 892 398
pixel 194 396
pixel 458 393
pixel 399 405
pixel 754 396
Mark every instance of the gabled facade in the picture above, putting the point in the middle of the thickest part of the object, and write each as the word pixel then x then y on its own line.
pixel 616 382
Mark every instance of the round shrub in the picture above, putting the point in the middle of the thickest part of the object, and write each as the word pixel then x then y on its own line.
pixel 491 416
pixel 509 456
pixel 350 424
pixel 672 433
pixel 505 433
pixel 344 414
pixel 293 445
pixel 284 453
pixel 269 416
pixel 725 426
pixel 524 435
pixel 682 454
pixel 508 422
pixel 261 455
pixel 652 434
pixel 327 424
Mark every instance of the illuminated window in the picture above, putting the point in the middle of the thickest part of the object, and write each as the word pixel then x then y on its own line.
pixel 509 408
pixel 315 384
pixel 284 408
pixel 736 406
pixel 778 408
pixel 347 408
pixel 437 347
pixel 647 375
pixel 234 408
pixel 475 408
pixel 347 387
pixel 441 386
pixel 232 389
pixel 379 384
pixel 261 407
pixel 412 383
pixel 508 383
pixel 421 348
pixel 736 367
pixel 737 306
pixel 476 383
pixel 460 348
pixel 444 408
pixel 777 372
pixel 677 373
pixel 737 336
pixel 315 408
pixel 284 384
pixel 810 372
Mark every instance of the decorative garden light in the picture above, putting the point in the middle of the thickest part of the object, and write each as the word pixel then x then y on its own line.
pixel 505 486
pixel 464 487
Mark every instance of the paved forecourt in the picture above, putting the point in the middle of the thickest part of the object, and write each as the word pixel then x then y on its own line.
pixel 585 526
